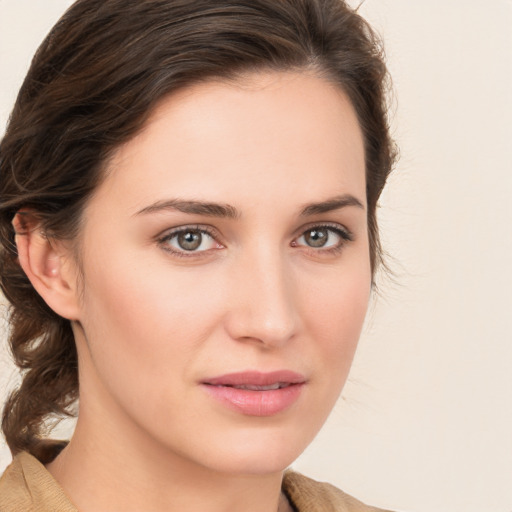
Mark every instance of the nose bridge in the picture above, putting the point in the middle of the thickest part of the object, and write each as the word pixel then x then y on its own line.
pixel 264 308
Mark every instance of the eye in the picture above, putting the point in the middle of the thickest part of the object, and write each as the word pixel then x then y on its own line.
pixel 189 240
pixel 324 237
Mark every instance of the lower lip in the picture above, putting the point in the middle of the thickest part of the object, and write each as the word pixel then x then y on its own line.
pixel 256 403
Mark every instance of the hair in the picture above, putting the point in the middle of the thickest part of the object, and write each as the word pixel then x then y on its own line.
pixel 92 85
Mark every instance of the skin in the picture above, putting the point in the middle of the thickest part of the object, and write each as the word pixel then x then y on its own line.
pixel 151 324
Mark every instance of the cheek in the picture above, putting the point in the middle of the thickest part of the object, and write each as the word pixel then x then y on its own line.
pixel 334 314
pixel 143 308
pixel 154 316
pixel 143 334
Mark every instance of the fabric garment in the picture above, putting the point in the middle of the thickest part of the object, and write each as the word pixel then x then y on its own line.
pixel 26 486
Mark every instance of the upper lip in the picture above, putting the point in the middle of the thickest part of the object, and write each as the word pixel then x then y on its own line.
pixel 256 378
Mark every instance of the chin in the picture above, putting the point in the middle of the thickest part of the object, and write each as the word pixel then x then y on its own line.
pixel 257 451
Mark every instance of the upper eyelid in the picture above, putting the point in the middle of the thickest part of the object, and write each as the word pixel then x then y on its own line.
pixel 213 232
pixel 209 230
pixel 335 226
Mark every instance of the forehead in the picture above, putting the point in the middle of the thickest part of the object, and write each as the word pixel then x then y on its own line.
pixel 242 140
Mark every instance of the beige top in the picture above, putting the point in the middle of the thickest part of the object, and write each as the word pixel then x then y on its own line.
pixel 26 486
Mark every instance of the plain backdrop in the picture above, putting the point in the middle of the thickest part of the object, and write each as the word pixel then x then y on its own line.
pixel 425 422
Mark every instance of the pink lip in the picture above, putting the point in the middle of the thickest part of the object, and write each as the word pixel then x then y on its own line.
pixel 256 402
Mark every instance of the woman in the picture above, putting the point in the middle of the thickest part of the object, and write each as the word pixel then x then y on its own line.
pixel 188 198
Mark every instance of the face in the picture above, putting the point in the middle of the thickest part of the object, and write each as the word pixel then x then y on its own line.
pixel 226 273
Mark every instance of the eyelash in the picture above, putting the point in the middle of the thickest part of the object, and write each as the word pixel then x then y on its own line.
pixel 164 240
pixel 344 234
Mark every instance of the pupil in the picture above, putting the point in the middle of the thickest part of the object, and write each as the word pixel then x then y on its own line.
pixel 189 240
pixel 317 237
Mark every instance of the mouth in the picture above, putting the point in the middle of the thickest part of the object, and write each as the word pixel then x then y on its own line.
pixel 250 387
pixel 256 393
pixel 255 379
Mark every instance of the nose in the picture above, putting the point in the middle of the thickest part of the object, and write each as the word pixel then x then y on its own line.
pixel 263 300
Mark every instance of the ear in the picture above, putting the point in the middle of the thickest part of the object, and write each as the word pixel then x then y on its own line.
pixel 48 264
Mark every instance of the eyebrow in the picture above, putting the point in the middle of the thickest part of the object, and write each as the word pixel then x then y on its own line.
pixel 193 207
pixel 228 211
pixel 334 203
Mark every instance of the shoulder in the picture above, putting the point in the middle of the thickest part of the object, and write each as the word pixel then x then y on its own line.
pixel 308 495
pixel 26 486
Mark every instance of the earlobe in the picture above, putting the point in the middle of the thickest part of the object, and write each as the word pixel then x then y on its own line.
pixel 48 265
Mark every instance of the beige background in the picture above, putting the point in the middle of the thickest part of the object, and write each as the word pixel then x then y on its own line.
pixel 426 419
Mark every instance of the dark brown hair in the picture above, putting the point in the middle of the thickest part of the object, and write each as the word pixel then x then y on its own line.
pixel 91 86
